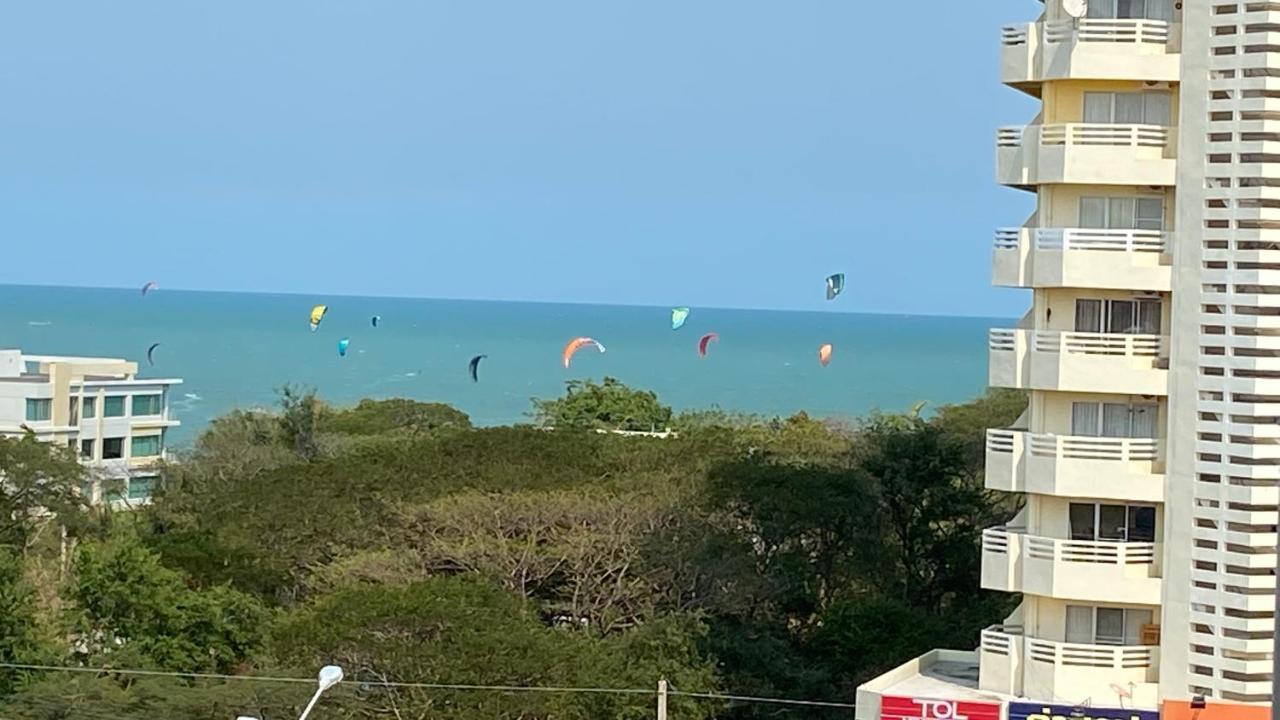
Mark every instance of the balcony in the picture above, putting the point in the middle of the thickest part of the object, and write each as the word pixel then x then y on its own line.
pixel 1086 154
pixel 1081 258
pixel 1014 664
pixel 1078 362
pixel 1088 49
pixel 1070 466
pixel 1097 571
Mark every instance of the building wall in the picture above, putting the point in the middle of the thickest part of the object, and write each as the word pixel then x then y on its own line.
pixel 1055 308
pixel 1051 412
pixel 1059 205
pixel 1064 99
pixel 1221 615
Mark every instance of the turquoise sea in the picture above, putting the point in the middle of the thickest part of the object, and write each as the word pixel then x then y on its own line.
pixel 233 350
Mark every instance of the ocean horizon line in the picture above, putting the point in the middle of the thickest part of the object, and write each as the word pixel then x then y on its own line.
pixel 497 301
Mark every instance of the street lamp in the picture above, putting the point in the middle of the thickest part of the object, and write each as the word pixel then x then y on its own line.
pixel 330 675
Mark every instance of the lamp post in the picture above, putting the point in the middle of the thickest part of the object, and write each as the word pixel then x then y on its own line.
pixel 330 675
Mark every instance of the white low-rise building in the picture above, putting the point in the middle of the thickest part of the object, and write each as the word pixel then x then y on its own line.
pixel 116 421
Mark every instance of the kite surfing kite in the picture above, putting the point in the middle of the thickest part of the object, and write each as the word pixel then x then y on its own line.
pixel 317 314
pixel 678 316
pixel 342 346
pixel 824 354
pixel 150 360
pixel 706 341
pixel 577 344
pixel 375 320
pixel 148 288
pixel 835 285
pixel 474 367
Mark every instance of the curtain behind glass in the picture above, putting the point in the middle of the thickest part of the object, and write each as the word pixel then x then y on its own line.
pixel 1160 10
pixel 1088 316
pixel 1157 108
pixel 1084 419
pixel 1122 214
pixel 1144 422
pixel 1097 107
pixel 1149 317
pixel 1130 108
pixel 1149 214
pixel 1130 9
pixel 1079 624
pixel 1093 213
pixel 1115 420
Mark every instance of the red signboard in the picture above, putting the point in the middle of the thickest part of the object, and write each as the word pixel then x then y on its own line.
pixel 893 707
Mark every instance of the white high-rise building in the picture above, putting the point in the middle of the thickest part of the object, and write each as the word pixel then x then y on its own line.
pixel 113 419
pixel 1149 456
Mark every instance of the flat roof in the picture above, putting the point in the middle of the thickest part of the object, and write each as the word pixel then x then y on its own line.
pixel 943 674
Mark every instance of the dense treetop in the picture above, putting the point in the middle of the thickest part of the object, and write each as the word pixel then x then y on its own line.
pixel 787 557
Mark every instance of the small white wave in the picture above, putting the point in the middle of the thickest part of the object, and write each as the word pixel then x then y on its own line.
pixel 192 396
pixel 411 374
pixel 39 323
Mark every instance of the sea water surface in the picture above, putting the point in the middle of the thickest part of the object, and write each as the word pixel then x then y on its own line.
pixel 234 350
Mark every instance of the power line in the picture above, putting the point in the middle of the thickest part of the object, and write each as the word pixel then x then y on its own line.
pixel 754 699
pixel 434 686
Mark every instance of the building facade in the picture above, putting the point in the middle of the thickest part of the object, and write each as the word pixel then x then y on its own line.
pixel 115 421
pixel 1149 455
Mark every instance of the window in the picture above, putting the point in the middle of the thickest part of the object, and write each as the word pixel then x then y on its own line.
pixel 1128 108
pixel 1122 213
pixel 146 446
pixel 146 405
pixel 1131 9
pixel 113 406
pixel 140 487
pixel 1115 420
pixel 86 449
pixel 1106 625
pixel 1141 316
pixel 1121 523
pixel 112 448
pixel 39 409
pixel 74 404
pixel 90 408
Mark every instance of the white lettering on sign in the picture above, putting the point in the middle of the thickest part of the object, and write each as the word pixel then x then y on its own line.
pixel 938 710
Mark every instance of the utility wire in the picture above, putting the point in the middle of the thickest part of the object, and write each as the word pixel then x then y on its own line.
pixel 754 699
pixel 432 686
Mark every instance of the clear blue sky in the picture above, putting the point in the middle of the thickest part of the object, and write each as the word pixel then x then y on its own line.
pixel 716 152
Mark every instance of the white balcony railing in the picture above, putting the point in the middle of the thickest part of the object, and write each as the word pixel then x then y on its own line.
pixel 1094 553
pixel 1001 640
pixel 1066 239
pixel 1002 441
pixel 1011 35
pixel 1103 30
pixel 1075 447
pixel 1002 340
pixel 1105 258
pixel 1080 343
pixel 1089 134
pixel 1114 344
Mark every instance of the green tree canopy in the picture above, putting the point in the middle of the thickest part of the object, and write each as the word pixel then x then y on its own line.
pixel 610 405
